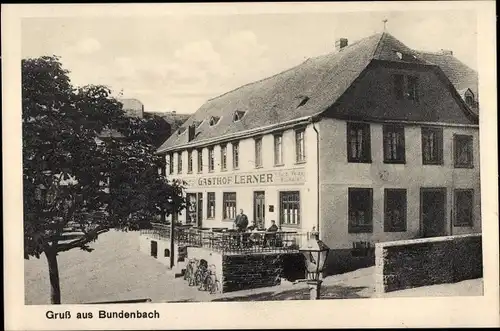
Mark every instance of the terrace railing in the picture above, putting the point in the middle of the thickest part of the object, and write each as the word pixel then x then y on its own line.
pixel 230 241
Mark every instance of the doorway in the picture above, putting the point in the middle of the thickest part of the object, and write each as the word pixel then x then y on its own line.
pixel 259 208
pixel 432 212
pixel 154 249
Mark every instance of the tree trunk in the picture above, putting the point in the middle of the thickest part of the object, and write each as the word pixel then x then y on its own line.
pixel 55 290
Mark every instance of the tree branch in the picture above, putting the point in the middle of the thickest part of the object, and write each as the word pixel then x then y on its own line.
pixel 83 240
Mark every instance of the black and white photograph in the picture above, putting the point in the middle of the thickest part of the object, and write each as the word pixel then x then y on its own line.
pixel 221 157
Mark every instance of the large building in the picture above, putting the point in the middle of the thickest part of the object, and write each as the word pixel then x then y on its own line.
pixel 372 142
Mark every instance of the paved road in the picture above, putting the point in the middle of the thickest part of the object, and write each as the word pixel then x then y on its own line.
pixel 117 270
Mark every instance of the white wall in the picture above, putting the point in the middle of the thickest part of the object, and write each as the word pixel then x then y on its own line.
pixel 337 175
pixel 307 187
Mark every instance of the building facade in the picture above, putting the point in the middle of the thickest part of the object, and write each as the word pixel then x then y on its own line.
pixel 369 143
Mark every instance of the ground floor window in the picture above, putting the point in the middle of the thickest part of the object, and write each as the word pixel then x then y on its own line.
pixel 395 210
pixel 229 205
pixel 210 205
pixel 290 208
pixel 192 208
pixel 360 210
pixel 464 204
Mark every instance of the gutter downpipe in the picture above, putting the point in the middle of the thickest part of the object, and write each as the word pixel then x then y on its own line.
pixel 312 120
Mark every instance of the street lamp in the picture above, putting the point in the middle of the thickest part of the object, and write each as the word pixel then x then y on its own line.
pixel 315 252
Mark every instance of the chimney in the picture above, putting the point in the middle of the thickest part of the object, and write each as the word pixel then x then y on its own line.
pixel 191 132
pixel 340 43
pixel 446 52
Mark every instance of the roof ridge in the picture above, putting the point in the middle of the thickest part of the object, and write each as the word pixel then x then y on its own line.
pixel 378 44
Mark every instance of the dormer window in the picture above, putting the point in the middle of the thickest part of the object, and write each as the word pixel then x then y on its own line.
pixel 405 56
pixel 214 120
pixel 197 123
pixel 181 130
pixel 302 101
pixel 238 115
pixel 469 100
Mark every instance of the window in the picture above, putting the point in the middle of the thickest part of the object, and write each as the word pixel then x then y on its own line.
pixel 179 163
pixel 395 210
pixel 462 144
pixel 211 159
pixel 358 142
pixel 290 208
pixel 464 201
pixel 190 162
pixel 236 155
pixel 432 146
pixel 360 210
pixel 229 205
pixel 238 115
pixel 278 149
pixel 394 144
pixel 258 152
pixel 170 163
pixel 200 160
pixel 214 120
pixel 210 205
pixel 469 100
pixel 223 157
pixel 406 87
pixel 300 146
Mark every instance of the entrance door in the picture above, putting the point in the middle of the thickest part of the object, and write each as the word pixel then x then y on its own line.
pixel 259 208
pixel 432 211
pixel 200 209
pixel 154 249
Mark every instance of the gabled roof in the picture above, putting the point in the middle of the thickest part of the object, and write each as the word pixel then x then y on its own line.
pixel 460 75
pixel 280 98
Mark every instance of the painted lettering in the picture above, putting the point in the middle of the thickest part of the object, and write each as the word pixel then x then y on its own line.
pixel 269 178
pixel 249 179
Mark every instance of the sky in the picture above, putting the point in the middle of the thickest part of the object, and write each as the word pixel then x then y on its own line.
pixel 177 62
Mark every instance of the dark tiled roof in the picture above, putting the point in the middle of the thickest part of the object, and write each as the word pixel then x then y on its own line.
pixel 302 91
pixel 460 75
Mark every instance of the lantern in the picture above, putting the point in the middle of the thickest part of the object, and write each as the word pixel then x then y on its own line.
pixel 316 253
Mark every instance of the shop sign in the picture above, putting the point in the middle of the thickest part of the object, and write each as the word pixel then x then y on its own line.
pixel 271 177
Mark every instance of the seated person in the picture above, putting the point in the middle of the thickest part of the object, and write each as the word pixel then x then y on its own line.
pixel 253 227
pixel 270 237
pixel 273 227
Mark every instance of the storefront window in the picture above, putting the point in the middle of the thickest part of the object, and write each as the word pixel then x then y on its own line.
pixel 229 205
pixel 290 208
pixel 210 205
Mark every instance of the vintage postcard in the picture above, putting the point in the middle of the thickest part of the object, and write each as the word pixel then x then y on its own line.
pixel 286 165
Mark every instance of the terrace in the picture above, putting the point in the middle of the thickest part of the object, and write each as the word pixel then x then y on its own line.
pixel 229 241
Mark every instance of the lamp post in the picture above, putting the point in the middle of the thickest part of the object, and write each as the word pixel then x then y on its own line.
pixel 315 252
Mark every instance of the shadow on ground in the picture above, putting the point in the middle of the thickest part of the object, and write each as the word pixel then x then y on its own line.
pixel 327 292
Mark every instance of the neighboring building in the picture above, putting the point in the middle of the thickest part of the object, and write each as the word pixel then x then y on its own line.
pixel 171 117
pixel 370 143
pixel 133 107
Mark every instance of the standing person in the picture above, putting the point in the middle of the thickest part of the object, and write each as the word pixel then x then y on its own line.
pixel 241 223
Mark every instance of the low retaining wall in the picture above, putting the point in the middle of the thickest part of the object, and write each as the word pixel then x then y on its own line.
pixel 421 262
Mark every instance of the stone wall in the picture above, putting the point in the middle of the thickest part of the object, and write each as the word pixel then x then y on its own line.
pixel 421 262
pixel 242 272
